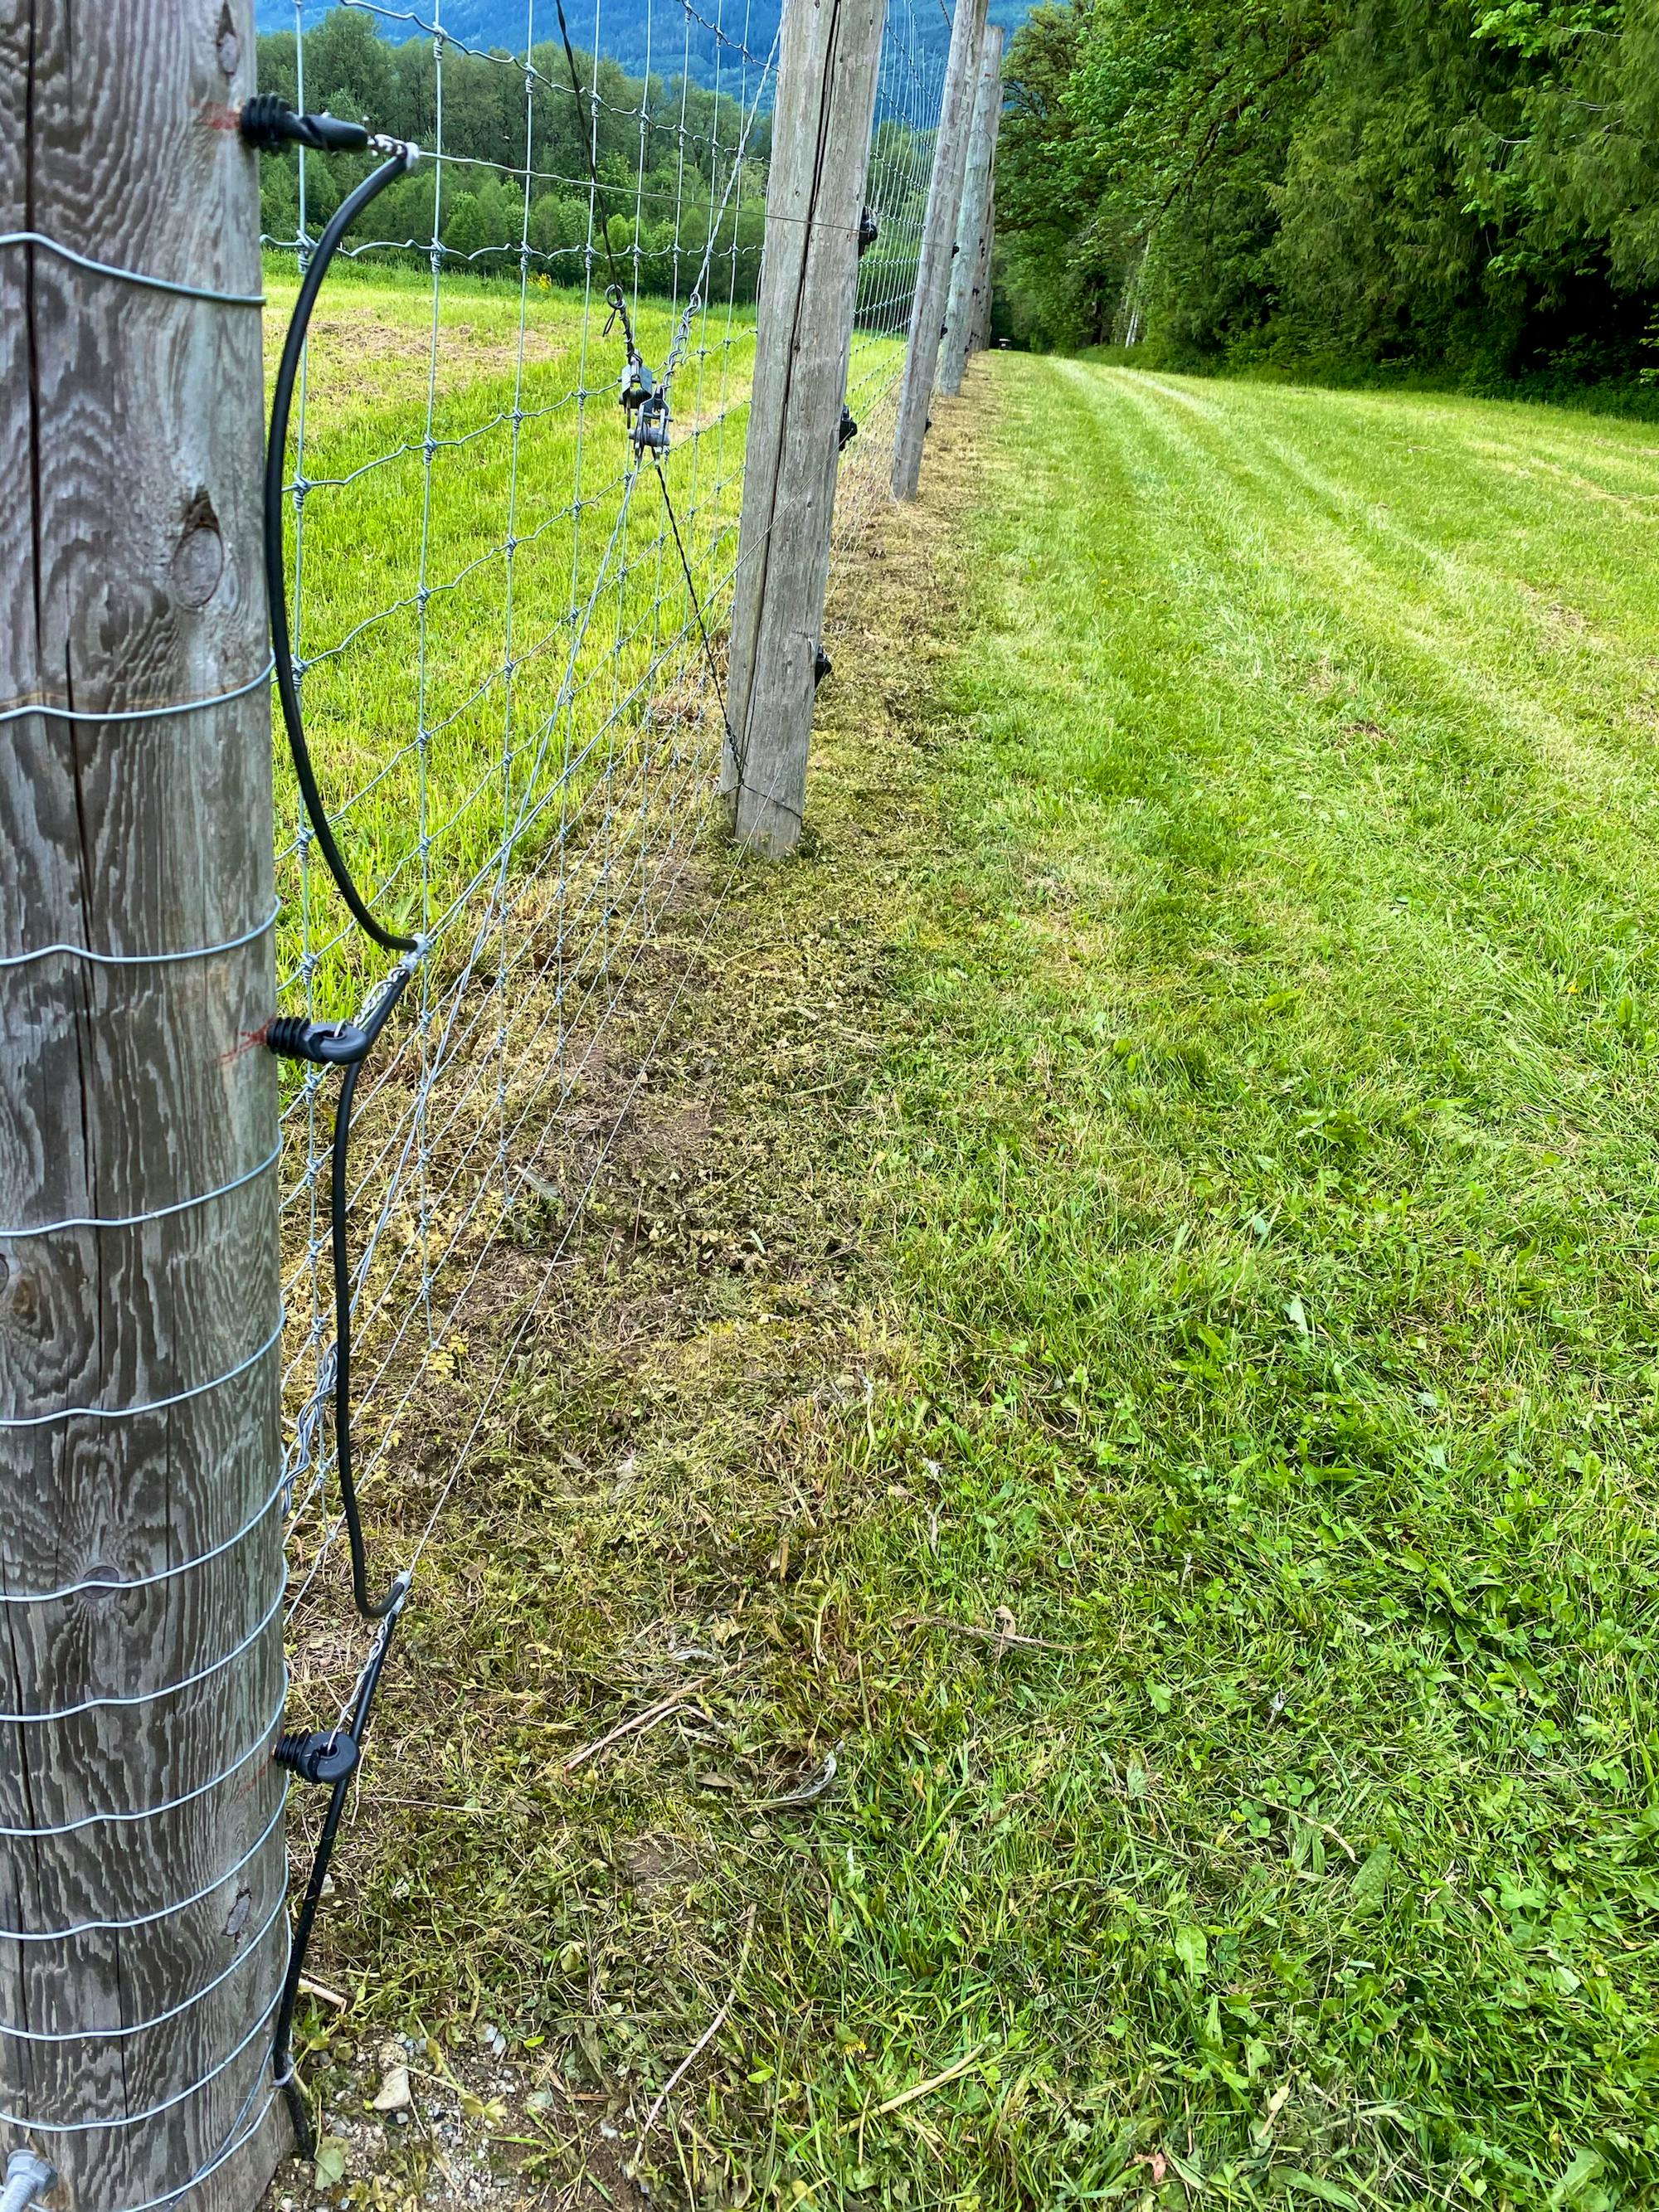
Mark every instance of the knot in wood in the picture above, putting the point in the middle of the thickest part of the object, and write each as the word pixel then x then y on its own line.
pixel 198 559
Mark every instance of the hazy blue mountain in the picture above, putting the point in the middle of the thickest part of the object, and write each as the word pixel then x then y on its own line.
pixel 664 34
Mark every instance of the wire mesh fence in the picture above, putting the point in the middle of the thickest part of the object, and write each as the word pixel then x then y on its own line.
pixel 503 640
pixel 497 610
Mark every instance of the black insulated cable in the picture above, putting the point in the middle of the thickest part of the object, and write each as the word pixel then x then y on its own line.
pixel 345 1045
pixel 267 123
pixel 589 137
pixel 330 1758
pixel 339 1784
pixel 371 1609
pixel 696 609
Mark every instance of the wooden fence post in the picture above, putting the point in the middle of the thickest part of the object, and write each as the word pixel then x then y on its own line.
pixel 939 238
pixel 142 1870
pixel 970 230
pixel 980 336
pixel 826 102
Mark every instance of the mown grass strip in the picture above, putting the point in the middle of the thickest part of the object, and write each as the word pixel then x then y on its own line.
pixel 1166 1176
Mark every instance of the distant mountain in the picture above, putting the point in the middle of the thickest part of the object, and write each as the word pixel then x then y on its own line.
pixel 663 35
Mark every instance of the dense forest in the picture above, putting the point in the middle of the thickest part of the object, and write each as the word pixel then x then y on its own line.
pixel 1465 188
pixel 708 45
pixel 665 148
pixel 704 39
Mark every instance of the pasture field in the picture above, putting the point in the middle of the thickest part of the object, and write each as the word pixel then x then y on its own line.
pixel 1126 1318
pixel 478 616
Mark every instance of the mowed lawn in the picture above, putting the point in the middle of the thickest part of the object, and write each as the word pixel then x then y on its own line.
pixel 1278 1181
pixel 1176 1417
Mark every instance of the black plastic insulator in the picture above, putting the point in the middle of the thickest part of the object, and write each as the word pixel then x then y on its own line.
pixel 869 232
pixel 822 666
pixel 269 122
pixel 327 1044
pixel 328 1756
pixel 649 427
pixel 848 430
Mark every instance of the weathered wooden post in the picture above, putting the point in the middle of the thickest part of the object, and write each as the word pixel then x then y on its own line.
pixel 142 1871
pixel 963 302
pixel 980 336
pixel 939 238
pixel 809 284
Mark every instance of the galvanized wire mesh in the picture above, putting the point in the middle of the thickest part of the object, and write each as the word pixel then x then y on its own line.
pixel 513 705
pixel 501 662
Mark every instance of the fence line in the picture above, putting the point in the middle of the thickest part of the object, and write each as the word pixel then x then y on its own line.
pixel 525 793
pixel 504 645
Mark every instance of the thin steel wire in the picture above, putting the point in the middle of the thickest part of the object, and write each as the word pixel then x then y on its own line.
pixel 25 708
pixel 79 1928
pixel 142 959
pixel 127 1700
pixel 135 1412
pixel 261 1744
pixel 119 2032
pixel 152 1213
pixel 116 2121
pixel 90 1585
pixel 139 277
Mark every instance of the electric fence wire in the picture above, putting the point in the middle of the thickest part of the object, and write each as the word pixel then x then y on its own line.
pixel 521 786
pixel 333 1756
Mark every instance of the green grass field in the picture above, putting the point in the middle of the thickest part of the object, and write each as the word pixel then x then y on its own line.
pixel 1127 1316
pixel 479 614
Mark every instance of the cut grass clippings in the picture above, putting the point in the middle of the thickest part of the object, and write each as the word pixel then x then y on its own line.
pixel 1125 1317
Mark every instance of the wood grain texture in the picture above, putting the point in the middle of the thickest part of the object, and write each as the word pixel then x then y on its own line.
pixel 803 335
pixel 979 335
pixel 963 301
pixel 130 430
pixel 938 238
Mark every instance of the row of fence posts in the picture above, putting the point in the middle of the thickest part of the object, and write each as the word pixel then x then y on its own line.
pixel 142 1857
pixel 809 280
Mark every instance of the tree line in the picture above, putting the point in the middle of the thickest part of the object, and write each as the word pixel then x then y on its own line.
pixel 665 151
pixel 1459 187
